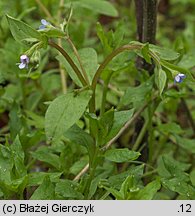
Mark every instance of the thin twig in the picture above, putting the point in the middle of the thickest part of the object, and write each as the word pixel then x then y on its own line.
pixel 113 88
pixel 137 114
pixel 84 170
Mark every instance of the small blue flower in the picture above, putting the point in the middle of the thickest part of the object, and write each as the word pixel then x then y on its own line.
pixel 44 24
pixel 24 61
pixel 179 78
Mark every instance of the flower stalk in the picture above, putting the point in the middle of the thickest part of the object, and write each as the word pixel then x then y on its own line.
pixel 70 61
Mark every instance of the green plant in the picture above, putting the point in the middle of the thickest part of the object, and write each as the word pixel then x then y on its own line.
pixel 75 140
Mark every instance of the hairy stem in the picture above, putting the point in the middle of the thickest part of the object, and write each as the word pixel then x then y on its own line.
pixel 70 61
pixel 105 90
pixel 79 59
pixel 107 60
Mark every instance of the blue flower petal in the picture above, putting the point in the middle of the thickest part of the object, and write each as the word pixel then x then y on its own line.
pixel 41 27
pixel 22 65
pixel 179 78
pixel 44 22
pixel 182 76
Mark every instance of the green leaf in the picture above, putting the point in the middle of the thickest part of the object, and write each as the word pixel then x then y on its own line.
pixel 135 96
pixel 78 136
pixel 46 155
pixel 94 186
pixel 187 144
pixel 169 168
pixel 160 78
pixel 67 189
pixel 88 57
pixel 21 31
pixel 148 192
pixel 18 156
pixel 129 187
pixel 1 193
pixel 164 53
pixel 99 6
pixel 105 124
pixel 174 167
pixel 179 186
pixel 15 186
pixel 145 53
pixel 188 60
pixel 18 185
pixel 105 38
pixel 6 164
pixel 170 127
pixel 65 111
pixel 46 191
pixel 79 165
pixel 52 32
pixel 89 60
pixel 129 184
pixel 119 34
pixel 15 122
pixel 173 93
pixel 120 118
pixel 173 68
pixel 117 194
pixel 121 155
pixel 116 180
pixel 35 120
pixel 192 177
pixel 37 178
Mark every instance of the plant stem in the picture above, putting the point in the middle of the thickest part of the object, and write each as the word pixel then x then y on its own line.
pixel 70 61
pixel 113 88
pixel 79 60
pixel 188 113
pixel 105 90
pixel 140 136
pixel 146 15
pixel 107 193
pixel 149 173
pixel 62 70
pixel 109 58
pixel 136 115
pixel 103 66
pixel 92 168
